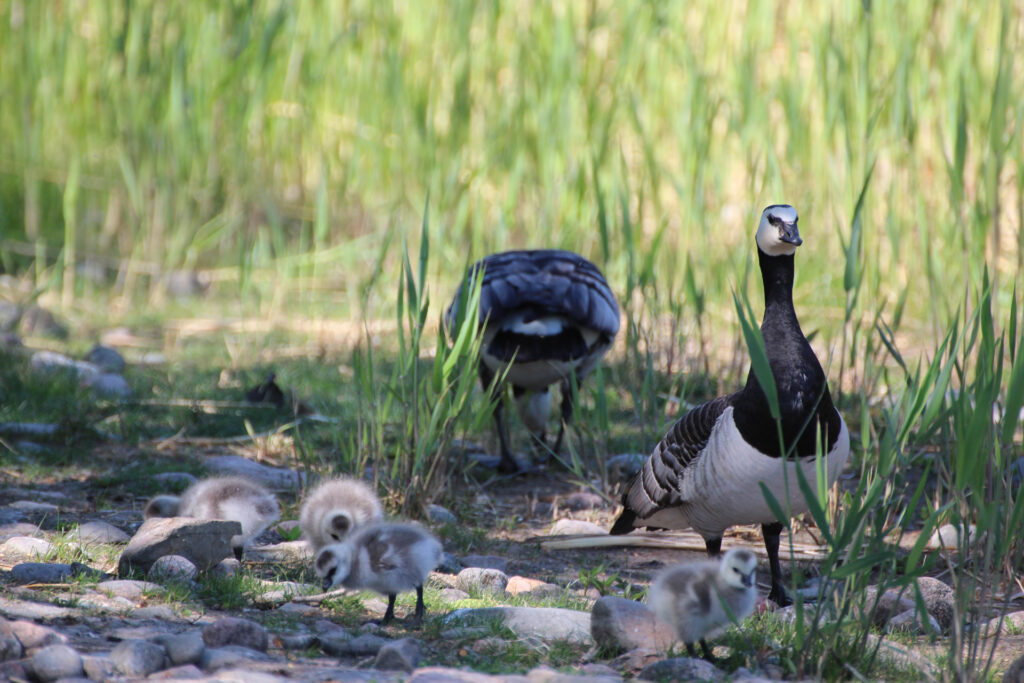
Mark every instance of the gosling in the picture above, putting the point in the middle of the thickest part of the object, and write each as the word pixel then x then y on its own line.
pixel 389 558
pixel 701 599
pixel 335 507
pixel 230 498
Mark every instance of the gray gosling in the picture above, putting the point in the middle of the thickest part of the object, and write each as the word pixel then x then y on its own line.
pixel 229 498
pixel 699 600
pixel 389 558
pixel 335 507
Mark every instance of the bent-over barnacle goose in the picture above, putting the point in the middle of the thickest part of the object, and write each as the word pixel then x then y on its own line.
pixel 699 600
pixel 705 473
pixel 549 315
pixel 334 508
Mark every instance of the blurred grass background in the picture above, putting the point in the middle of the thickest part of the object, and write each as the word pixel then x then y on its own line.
pixel 281 147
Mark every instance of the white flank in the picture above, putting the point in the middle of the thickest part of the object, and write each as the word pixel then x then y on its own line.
pixel 721 488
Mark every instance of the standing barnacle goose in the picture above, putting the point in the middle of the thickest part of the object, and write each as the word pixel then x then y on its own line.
pixel 549 316
pixel 705 473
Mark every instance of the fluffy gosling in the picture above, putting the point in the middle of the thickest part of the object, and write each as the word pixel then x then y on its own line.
pixel 230 498
pixel 389 558
pixel 701 599
pixel 331 510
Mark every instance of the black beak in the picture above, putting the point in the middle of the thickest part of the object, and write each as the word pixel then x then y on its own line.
pixel 789 234
pixel 327 583
pixel 748 579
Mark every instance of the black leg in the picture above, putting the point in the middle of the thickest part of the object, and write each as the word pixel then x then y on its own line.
pixel 508 464
pixel 421 609
pixel 389 615
pixel 238 552
pixel 707 650
pixel 691 650
pixel 771 534
pixel 714 546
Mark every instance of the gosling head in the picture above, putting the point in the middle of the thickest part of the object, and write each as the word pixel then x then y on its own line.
pixel 162 506
pixel 337 525
pixel 777 234
pixel 332 564
pixel 738 568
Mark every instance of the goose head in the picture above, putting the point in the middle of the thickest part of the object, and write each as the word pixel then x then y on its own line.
pixel 777 234
pixel 337 525
pixel 333 564
pixel 162 506
pixel 738 568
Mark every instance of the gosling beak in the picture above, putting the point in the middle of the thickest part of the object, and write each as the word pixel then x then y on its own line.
pixel 789 234
pixel 748 579
pixel 327 584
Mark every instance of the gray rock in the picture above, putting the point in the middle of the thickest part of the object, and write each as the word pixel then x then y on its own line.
pixel 99 667
pixel 50 362
pixel 910 622
pixel 890 603
pixel 33 636
pixel 10 646
pixel 205 542
pixel 440 515
pixel 520 585
pixel 584 500
pixel 450 595
pixel 1014 621
pixel 41 572
pixel 18 548
pixel 288 551
pixel 682 669
pixel 106 359
pixel 939 599
pixel 177 481
pixel 399 655
pixel 158 612
pixel 618 625
pixel 236 631
pixel 18 529
pixel 172 567
pixel 576 527
pixel 635 661
pixel 101 532
pixel 486 562
pixel 545 674
pixel 138 657
pixel 544 623
pixel 449 564
pixel 21 609
pixel 297 608
pixel 296 641
pixel 360 646
pixel 439 674
pixel 948 537
pixel 56 661
pixel 272 477
pixel 183 648
pixel 108 385
pixel 215 658
pixel 228 567
pixel 1015 674
pixel 35 506
pixel 129 588
pixel 475 579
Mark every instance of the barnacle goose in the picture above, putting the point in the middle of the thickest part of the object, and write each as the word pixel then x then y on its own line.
pixel 231 498
pixel 705 473
pixel 699 600
pixel 335 507
pixel 549 315
pixel 387 557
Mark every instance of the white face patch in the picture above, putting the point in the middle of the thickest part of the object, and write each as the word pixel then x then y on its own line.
pixel 770 230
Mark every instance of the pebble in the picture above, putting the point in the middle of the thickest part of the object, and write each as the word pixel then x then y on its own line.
pixel 909 621
pixel 106 359
pixel 520 585
pixel 618 624
pixel 10 646
pixel 188 672
pixel 574 527
pixel 19 529
pixel 938 599
pixel 635 661
pixel 101 532
pixel 172 567
pixel 138 658
pixel 399 655
pixel 183 648
pixel 41 572
pixel 214 658
pixel 236 631
pixel 160 612
pixel 297 608
pixel 543 623
pixel 682 669
pixel 24 547
pixel 99 667
pixel 296 641
pixel 475 579
pixel 948 537
pixel 287 551
pixel 228 567
pixel 360 646
pixel 32 635
pixel 57 661
pixel 129 589
pixel 35 506
pixel 889 604
pixel 1014 621
pixel 452 595
pixel 440 515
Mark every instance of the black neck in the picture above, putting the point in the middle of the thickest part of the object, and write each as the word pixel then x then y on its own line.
pixel 777 275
